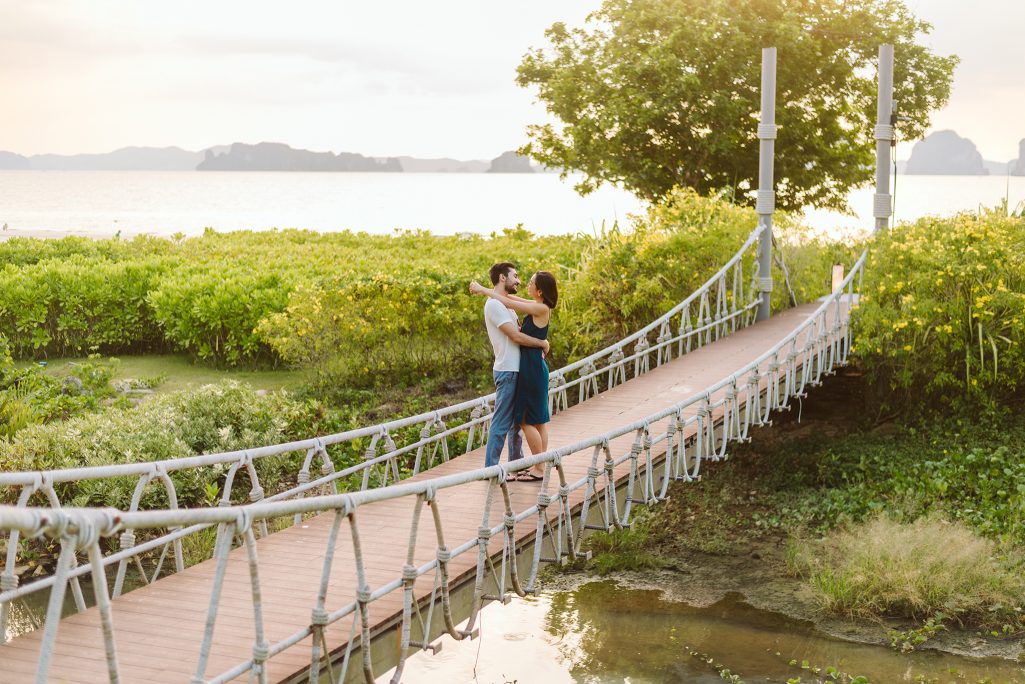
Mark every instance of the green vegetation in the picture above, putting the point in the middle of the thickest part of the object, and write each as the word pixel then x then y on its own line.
pixel 29 396
pixel 943 316
pixel 214 296
pixel 930 568
pixel 620 550
pixel 654 94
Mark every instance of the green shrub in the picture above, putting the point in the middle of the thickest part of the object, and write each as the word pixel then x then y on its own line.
pixel 213 311
pixel 943 312
pixel 67 307
pixel 29 396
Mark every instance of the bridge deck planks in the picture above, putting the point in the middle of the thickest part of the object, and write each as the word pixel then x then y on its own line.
pixel 159 627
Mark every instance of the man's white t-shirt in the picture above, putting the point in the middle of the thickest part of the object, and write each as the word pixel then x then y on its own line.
pixel 507 352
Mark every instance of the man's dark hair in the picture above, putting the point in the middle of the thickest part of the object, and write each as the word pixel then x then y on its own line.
pixel 545 284
pixel 499 270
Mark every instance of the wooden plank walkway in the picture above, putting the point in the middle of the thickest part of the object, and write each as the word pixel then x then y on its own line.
pixel 159 627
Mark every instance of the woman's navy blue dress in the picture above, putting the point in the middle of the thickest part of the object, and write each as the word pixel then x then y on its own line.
pixel 531 407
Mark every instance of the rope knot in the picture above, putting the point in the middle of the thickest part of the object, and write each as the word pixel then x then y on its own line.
pixel 243 520
pixel 444 555
pixel 261 652
pixel 256 494
pixel 408 574
pixel 592 472
pixel 484 533
pixel 319 617
pixel 543 499
pixel 127 540
pixel 304 477
pixel 510 521
pixel 363 595
pixel 8 581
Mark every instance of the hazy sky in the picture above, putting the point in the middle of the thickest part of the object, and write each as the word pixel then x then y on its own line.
pixel 386 78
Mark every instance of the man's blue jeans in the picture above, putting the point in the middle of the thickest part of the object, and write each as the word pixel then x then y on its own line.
pixel 502 421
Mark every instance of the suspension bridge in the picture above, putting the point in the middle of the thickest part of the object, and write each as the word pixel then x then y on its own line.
pixel 344 575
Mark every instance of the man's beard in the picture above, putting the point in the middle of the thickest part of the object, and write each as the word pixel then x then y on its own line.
pixel 511 289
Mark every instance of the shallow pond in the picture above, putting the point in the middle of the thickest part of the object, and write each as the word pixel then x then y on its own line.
pixel 602 633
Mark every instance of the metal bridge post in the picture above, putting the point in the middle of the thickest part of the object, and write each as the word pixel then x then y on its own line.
pixel 766 202
pixel 883 135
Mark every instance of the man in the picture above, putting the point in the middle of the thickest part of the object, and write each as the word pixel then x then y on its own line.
pixel 506 338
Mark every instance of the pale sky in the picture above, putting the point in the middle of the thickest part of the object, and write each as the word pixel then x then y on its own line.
pixel 428 79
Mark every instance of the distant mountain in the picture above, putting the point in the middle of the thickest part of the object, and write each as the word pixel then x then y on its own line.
pixel 280 157
pixel 1018 165
pixel 442 165
pixel 946 153
pixel 125 159
pixel 263 156
pixel 510 162
pixel 9 161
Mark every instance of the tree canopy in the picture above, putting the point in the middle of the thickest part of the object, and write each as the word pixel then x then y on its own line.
pixel 653 94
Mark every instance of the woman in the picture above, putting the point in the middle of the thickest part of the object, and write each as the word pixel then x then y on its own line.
pixel 531 406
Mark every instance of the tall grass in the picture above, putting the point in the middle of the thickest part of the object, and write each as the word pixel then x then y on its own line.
pixel 916 570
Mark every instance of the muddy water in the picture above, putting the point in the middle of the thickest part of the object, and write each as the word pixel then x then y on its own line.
pixel 603 633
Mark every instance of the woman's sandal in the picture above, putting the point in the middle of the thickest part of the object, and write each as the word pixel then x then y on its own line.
pixel 527 476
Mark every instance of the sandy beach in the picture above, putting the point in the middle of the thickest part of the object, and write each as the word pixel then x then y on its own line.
pixel 11 233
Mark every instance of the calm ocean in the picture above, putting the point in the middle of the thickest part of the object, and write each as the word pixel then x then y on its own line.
pixel 167 202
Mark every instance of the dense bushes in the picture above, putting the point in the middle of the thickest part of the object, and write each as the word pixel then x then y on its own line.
pixel 943 312
pixel 208 295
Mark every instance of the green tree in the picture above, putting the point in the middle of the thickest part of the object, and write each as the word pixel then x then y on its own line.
pixel 654 94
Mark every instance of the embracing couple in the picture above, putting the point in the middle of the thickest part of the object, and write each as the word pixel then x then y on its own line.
pixel 520 371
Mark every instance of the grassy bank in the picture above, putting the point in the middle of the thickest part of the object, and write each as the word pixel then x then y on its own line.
pixel 169 373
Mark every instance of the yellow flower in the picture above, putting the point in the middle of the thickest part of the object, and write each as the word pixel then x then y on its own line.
pixel 907 347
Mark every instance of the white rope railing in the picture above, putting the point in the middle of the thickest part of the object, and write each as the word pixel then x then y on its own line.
pixel 697 428
pixel 723 304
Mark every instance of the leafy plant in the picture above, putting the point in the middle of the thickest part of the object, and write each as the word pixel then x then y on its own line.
pixel 943 310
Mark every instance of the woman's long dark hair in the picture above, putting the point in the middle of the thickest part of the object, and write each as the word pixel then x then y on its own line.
pixel 545 284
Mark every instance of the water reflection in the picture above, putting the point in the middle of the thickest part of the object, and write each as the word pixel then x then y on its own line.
pixel 602 633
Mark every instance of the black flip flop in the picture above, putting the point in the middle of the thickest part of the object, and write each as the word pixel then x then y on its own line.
pixel 527 476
